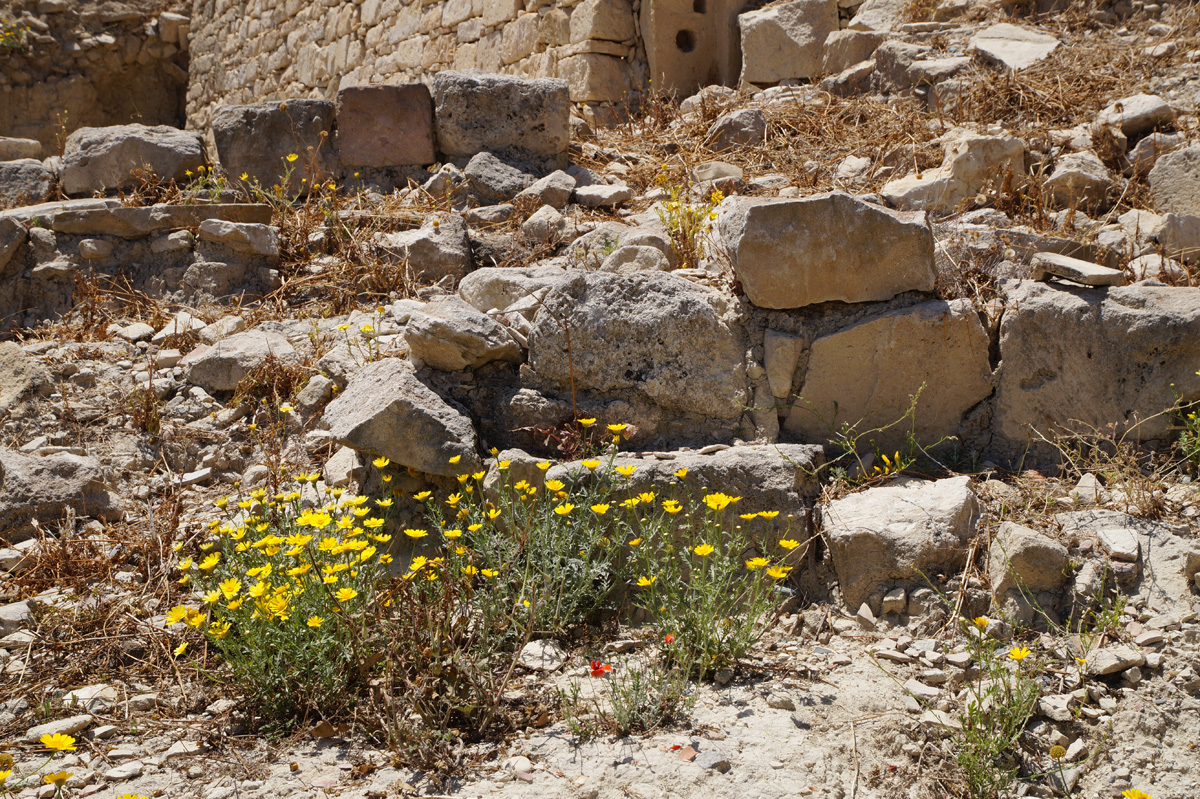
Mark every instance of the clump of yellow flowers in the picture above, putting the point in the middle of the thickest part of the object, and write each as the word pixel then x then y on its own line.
pixel 282 578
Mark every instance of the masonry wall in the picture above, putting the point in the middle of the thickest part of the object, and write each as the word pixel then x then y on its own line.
pixel 89 63
pixel 254 50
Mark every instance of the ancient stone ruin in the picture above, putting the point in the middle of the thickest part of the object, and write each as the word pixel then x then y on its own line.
pixel 910 291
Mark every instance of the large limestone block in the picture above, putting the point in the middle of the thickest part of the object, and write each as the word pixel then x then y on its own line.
pixel 793 253
pixel 1180 236
pixel 780 477
pixel 223 365
pixel 971 162
pixel 596 77
pixel 609 20
pixel 43 487
pixel 439 248
pixel 905 532
pixel 786 41
pixel 475 112
pixel 257 139
pixel 1175 182
pixel 102 159
pixel 385 411
pixel 1084 358
pixel 871 370
pixel 497 288
pixel 25 182
pixel 382 126
pixel 656 335
pixel 1012 46
pixel 451 335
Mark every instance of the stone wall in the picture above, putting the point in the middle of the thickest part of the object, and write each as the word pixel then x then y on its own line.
pixel 91 64
pixel 607 50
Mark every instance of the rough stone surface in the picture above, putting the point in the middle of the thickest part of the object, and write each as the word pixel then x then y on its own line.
pixel 1013 47
pixel 553 190
pixel 1137 115
pixel 899 532
pixel 1179 234
pixel 1175 182
pixel 450 334
pixel 792 253
pixel 499 287
pixel 385 411
pixel 229 360
pixel 746 127
pixel 543 655
pixel 778 477
pixel 14 149
pixel 970 161
pixel 844 49
pixel 603 195
pixel 1025 562
pixel 256 140
pixel 12 236
pixel 42 486
pixel 786 41
pixel 493 181
pixel 617 325
pixel 1044 264
pixel 1113 659
pixel 871 370
pixel 382 126
pixel 244 237
pixel 25 182
pixel 1095 358
pixel 636 258
pixel 439 248
pixel 1079 180
pixel 879 15
pixel 477 112
pixel 20 375
pixel 102 159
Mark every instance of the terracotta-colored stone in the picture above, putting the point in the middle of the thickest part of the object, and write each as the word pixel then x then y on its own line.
pixel 381 126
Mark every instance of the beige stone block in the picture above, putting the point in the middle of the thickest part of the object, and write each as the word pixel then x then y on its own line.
pixel 871 370
pixel 496 12
pixel 519 39
pixel 602 19
pixel 487 56
pixel 464 57
pixel 369 12
pixel 554 27
pixel 595 78
pixel 456 11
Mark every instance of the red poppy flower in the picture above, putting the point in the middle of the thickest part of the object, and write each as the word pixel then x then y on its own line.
pixel 599 669
pixel 669 638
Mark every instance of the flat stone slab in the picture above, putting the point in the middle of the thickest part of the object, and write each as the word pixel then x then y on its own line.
pixel 132 223
pixel 1012 46
pixel 1045 264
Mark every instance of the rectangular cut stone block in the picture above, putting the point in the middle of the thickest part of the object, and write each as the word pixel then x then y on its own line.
pixel 793 253
pixel 869 372
pixel 133 223
pixel 1047 263
pixel 381 126
pixel 477 112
